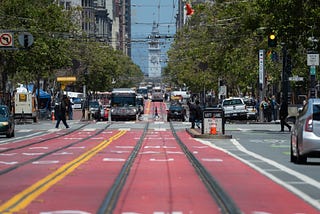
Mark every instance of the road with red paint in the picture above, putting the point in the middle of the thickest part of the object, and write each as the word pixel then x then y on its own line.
pixel 74 170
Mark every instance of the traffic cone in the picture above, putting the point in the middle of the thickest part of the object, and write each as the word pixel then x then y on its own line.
pixel 52 116
pixel 213 128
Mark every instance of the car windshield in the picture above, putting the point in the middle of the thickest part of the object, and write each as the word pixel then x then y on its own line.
pixel 3 112
pixel 94 105
pixel 232 102
pixel 316 112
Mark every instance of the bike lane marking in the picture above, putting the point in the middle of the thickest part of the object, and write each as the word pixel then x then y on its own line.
pixel 25 197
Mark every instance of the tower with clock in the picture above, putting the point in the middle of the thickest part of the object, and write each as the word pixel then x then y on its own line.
pixel 154 51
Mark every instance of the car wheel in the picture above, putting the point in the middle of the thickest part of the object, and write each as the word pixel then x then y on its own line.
pixel 293 158
pixel 301 159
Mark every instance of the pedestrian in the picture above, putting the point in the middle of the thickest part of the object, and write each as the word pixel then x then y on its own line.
pixel 60 111
pixel 266 109
pixel 283 116
pixel 70 109
pixel 275 108
pixel 194 114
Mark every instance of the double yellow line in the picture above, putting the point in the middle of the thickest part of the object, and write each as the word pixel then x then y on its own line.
pixel 24 198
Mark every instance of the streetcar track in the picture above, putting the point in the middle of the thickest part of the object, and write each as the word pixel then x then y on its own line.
pixel 111 198
pixel 224 201
pixel 43 140
pixel 18 165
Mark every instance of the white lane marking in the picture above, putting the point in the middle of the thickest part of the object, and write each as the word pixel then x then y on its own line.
pixel 43 147
pixel 212 159
pixel 22 137
pixel 298 175
pixel 161 160
pixel 160 129
pixel 46 162
pixel 89 130
pixel 149 152
pixel 114 159
pixel 32 154
pixel 8 163
pixel 73 138
pixel 125 147
pixel 65 212
pixel 63 153
pixel 119 152
pixel 174 152
pixel 7 154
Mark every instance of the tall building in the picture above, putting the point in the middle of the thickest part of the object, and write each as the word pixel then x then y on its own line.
pixel 154 52
pixel 106 21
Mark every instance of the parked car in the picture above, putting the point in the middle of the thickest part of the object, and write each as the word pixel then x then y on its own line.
pixel 95 109
pixel 305 136
pixel 176 112
pixel 6 122
pixel 234 108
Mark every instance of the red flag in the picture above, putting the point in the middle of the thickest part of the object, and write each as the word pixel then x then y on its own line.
pixel 190 11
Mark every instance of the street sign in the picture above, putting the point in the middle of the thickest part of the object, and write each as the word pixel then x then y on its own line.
pixel 312 59
pixel 6 39
pixel 295 78
pixel 261 68
pixel 312 70
pixel 25 39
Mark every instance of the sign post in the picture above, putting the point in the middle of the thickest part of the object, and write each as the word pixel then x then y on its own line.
pixel 312 61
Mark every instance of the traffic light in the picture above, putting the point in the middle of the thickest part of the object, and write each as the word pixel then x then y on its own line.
pixel 272 40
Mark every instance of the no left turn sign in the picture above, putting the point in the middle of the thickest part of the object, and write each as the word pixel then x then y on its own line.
pixel 6 40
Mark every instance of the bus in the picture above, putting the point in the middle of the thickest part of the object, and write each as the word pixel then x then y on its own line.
pixel 123 104
pixel 157 94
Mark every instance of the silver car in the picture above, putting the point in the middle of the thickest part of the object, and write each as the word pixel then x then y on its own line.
pixel 305 136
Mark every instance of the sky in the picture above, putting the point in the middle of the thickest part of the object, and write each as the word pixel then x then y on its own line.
pixel 143 14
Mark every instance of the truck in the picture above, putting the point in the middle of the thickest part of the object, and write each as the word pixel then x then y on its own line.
pixel 25 105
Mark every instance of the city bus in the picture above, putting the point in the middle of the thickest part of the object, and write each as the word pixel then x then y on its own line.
pixel 123 104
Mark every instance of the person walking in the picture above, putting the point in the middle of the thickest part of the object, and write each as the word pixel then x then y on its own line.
pixel 60 112
pixel 283 116
pixel 70 109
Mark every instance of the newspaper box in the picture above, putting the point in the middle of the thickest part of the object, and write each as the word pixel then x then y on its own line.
pixel 213 121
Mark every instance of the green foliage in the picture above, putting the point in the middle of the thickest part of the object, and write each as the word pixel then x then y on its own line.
pixel 226 36
pixel 53 51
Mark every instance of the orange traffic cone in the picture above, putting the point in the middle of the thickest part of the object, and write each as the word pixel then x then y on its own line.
pixel 52 116
pixel 213 128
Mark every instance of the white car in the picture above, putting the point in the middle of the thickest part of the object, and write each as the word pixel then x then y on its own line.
pixel 234 108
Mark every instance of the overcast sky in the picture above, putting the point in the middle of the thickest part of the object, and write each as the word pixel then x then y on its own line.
pixel 143 14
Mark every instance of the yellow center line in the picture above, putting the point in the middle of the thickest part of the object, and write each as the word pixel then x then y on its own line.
pixel 24 198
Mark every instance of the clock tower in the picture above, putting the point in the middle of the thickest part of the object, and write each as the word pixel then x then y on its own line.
pixel 154 51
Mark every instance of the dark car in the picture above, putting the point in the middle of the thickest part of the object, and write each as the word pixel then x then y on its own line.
pixel 305 136
pixel 176 112
pixel 6 122
pixel 95 110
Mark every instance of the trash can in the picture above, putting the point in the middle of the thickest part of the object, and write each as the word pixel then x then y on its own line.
pixel 213 121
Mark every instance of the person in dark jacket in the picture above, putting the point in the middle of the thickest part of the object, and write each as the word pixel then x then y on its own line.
pixel 194 114
pixel 60 112
pixel 283 116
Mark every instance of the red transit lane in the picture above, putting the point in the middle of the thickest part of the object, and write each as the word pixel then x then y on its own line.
pixel 162 180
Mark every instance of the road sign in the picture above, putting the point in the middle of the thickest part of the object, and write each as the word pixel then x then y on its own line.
pixel 25 39
pixel 312 59
pixel 6 40
pixel 295 78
